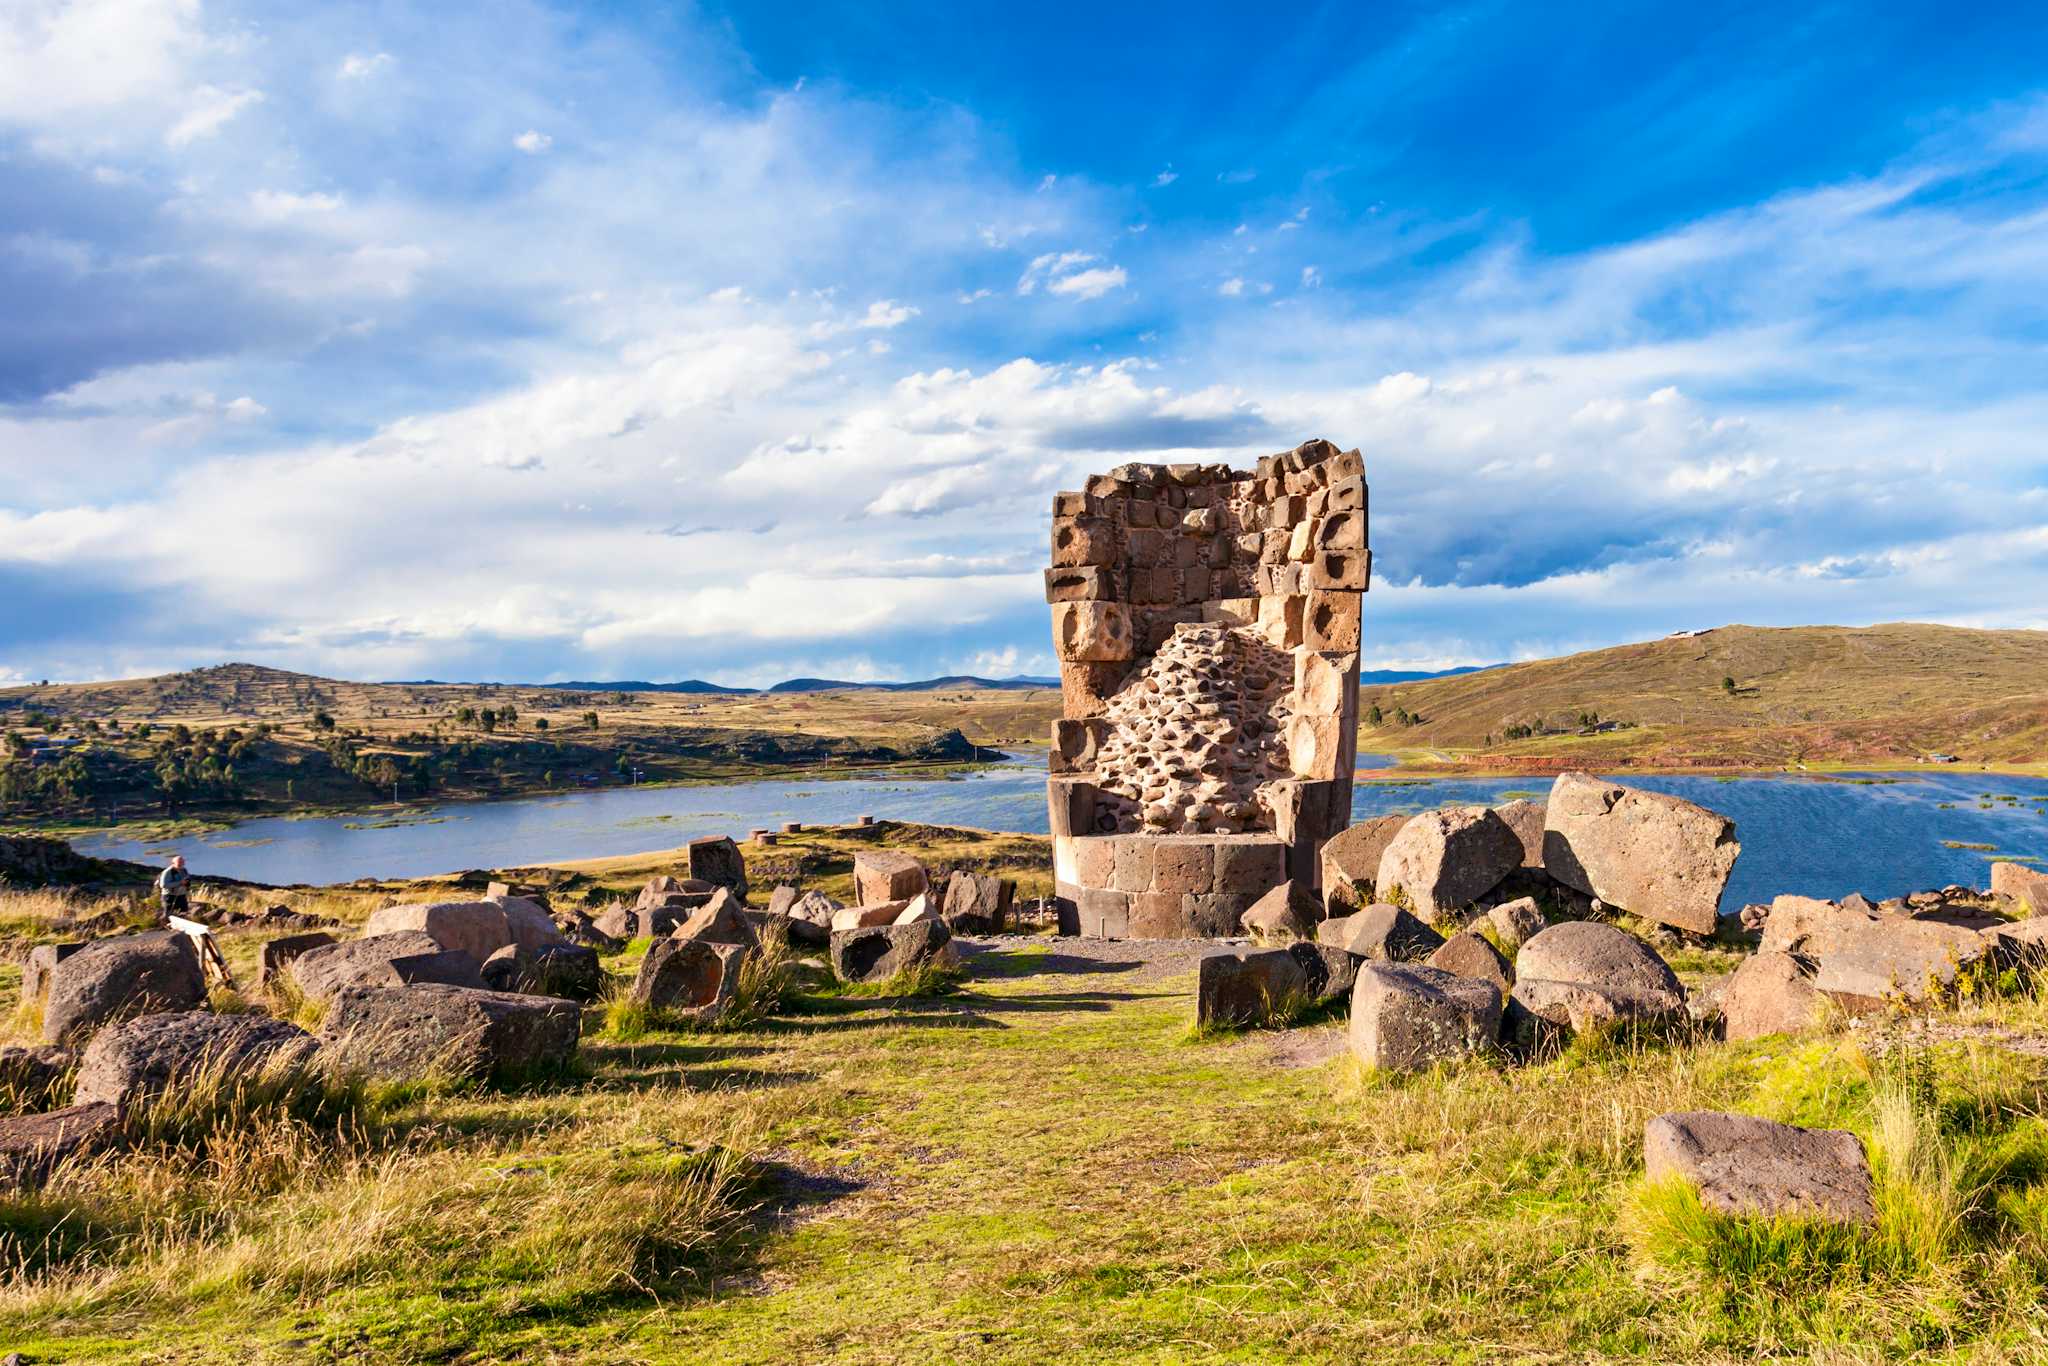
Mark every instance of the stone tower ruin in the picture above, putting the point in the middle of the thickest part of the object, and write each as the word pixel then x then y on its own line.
pixel 1207 625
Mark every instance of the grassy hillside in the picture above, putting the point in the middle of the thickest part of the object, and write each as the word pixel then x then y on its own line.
pixel 1740 696
pixel 240 739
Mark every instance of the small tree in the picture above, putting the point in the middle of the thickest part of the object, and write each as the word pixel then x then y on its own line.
pixel 488 719
pixel 1728 685
pixel 540 723
pixel 590 720
pixel 1375 716
pixel 322 720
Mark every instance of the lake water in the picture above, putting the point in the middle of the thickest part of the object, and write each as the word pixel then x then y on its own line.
pixel 1810 836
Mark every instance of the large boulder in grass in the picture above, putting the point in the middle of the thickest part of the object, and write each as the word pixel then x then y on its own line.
pixel 874 913
pixel 716 860
pixel 1330 972
pixel 452 1033
pixel 570 971
pixel 37 968
pixel 1288 912
pixel 1528 820
pixel 1351 862
pixel 1515 923
pixel 1659 857
pixel 1248 986
pixel 477 928
pixel 29 1075
pixel 881 875
pixel 137 1059
pixel 1445 860
pixel 694 978
pixel 659 891
pixel 1468 955
pixel 875 953
pixel 381 960
pixel 32 1146
pixel 1588 953
pixel 1771 993
pixel 117 979
pixel 1382 934
pixel 1405 1016
pixel 528 922
pixel 1742 1165
pixel 720 921
pixel 2024 889
pixel 810 918
pixel 278 954
pixel 976 903
pixel 1863 961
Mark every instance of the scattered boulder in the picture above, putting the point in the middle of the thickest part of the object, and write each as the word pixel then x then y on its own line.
pixel 1381 933
pixel 717 860
pixel 1771 993
pixel 2023 943
pixel 1468 955
pixel 477 928
pixel 1615 962
pixel 530 924
pixel 865 916
pixel 1862 961
pixel 2025 888
pixel 119 978
pixel 1330 971
pixel 694 978
pixel 1287 913
pixel 659 891
pixel 1742 1165
pixel 919 910
pixel 33 1146
pixel 881 875
pixel 810 918
pixel 1656 856
pixel 977 903
pixel 1514 923
pixel 1351 862
pixel 1405 1016
pixel 278 954
pixel 720 921
pixel 1528 820
pixel 36 969
pixel 875 953
pixel 381 960
pixel 451 1032
pixel 137 1059
pixel 1445 860
pixel 1242 986
pixel 570 971
pixel 29 1075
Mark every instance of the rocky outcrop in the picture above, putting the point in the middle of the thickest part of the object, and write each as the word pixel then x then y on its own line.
pixel 1746 1166
pixel 449 1032
pixel 1405 1016
pixel 1655 856
pixel 1863 960
pixel 138 1059
pixel 116 979
pixel 1443 861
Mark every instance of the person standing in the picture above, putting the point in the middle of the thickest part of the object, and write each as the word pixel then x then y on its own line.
pixel 173 888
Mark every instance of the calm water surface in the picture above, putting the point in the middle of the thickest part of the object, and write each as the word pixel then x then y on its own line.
pixel 1816 837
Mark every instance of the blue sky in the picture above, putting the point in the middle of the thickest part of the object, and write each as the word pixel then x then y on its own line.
pixel 751 340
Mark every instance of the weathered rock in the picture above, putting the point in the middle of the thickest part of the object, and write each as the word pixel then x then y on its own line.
pixel 137 1059
pixel 1540 1011
pixel 1528 820
pixel 278 954
pixel 1381 933
pixel 2026 888
pixel 458 1033
pixel 1747 1166
pixel 1587 953
pixel 1330 970
pixel 382 960
pixel 1405 1016
pixel 29 1075
pixel 881 875
pixel 117 979
pixel 920 909
pixel 659 891
pixel 1516 922
pixel 717 860
pixel 36 969
pixel 810 918
pixel 1445 860
pixel 978 904
pixel 529 923
pixel 720 921
pixel 1655 856
pixel 32 1146
pixel 1771 993
pixel 691 977
pixel 2022 943
pixel 878 952
pixel 570 971
pixel 1862 961
pixel 1248 986
pixel 781 899
pixel 477 928
pixel 1468 955
pixel 1351 862
pixel 864 917
pixel 1287 913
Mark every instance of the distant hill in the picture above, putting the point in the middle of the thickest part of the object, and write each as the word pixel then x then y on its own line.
pixel 952 682
pixel 688 685
pixel 1368 677
pixel 1812 694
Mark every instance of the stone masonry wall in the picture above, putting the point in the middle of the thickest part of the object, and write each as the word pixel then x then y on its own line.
pixel 1207 623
